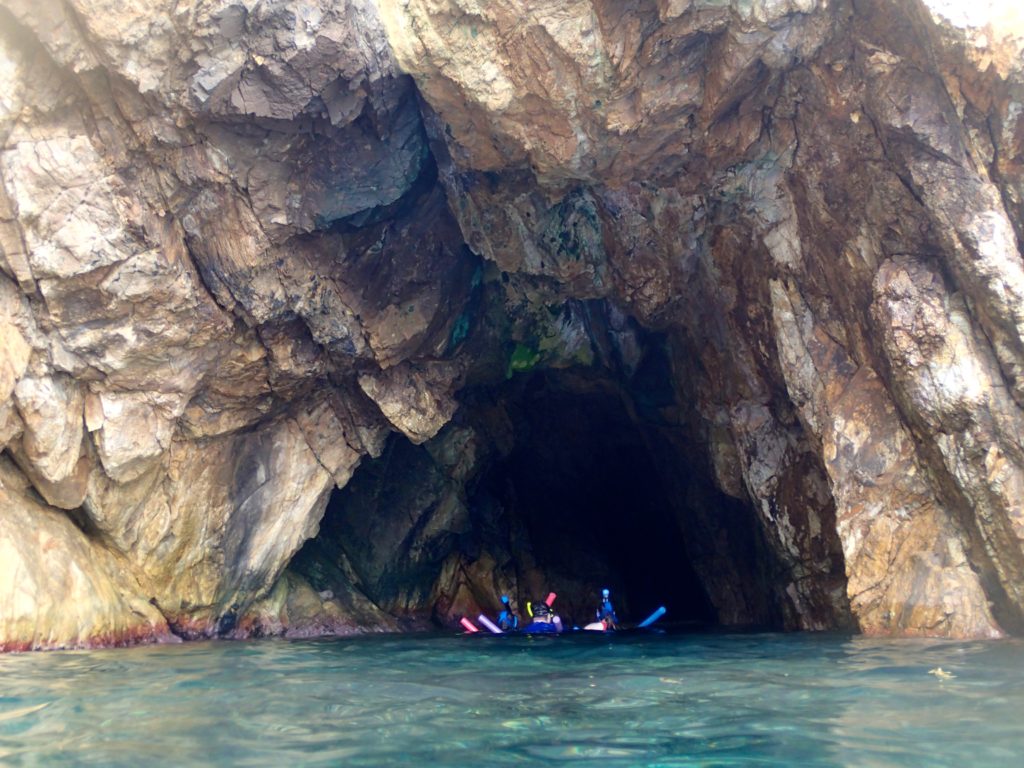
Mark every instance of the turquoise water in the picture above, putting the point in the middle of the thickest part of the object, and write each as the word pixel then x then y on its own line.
pixel 642 700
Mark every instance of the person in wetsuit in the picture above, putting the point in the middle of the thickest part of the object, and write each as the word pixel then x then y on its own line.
pixel 544 619
pixel 606 612
pixel 507 620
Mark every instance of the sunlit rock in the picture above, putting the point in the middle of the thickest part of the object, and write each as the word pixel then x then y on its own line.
pixel 325 317
pixel 58 588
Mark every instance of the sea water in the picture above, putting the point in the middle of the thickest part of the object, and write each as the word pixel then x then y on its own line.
pixel 615 700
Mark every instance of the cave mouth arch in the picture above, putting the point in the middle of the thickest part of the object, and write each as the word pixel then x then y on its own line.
pixel 564 480
pixel 581 481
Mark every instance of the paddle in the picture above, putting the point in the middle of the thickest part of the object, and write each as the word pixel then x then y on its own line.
pixel 489 624
pixel 468 625
pixel 652 618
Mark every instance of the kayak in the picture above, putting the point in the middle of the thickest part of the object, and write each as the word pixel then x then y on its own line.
pixel 554 627
pixel 600 626
pixel 542 628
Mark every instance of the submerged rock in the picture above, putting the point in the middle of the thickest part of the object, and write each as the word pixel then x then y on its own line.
pixel 260 261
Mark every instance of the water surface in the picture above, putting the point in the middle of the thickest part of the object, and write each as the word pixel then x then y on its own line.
pixel 640 700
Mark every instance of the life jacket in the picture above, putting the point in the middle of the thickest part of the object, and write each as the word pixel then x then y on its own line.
pixel 606 612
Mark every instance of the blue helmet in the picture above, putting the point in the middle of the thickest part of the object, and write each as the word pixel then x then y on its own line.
pixel 504 599
pixel 605 593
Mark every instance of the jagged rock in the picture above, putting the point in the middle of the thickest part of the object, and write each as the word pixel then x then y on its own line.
pixel 210 530
pixel 51 409
pixel 949 379
pixel 407 523
pixel 883 500
pixel 58 589
pixel 242 243
pixel 295 609
pixel 417 402
pixel 14 349
pixel 131 435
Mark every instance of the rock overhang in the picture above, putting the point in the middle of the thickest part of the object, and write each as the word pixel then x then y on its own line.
pixel 803 200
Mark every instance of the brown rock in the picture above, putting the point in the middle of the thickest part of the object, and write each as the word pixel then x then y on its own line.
pixel 57 588
pixel 906 564
pixel 51 410
pixel 210 530
pixel 242 246
pixel 416 402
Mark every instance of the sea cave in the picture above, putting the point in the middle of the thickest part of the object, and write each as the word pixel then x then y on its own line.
pixel 331 318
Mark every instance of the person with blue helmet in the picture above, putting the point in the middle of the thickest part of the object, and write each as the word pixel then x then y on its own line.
pixel 606 612
pixel 507 620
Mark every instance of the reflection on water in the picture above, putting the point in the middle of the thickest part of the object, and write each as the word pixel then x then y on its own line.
pixel 641 700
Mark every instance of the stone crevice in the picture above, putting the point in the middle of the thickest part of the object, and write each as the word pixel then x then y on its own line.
pixel 327 295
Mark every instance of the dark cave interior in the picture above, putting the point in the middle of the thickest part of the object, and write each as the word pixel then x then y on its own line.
pixel 582 480
pixel 563 480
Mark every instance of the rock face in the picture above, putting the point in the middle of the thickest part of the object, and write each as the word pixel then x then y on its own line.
pixel 61 590
pixel 508 289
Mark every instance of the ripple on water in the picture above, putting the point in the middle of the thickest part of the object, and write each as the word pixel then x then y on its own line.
pixel 445 701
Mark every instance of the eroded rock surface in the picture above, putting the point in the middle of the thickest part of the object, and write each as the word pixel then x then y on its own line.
pixel 247 247
pixel 60 589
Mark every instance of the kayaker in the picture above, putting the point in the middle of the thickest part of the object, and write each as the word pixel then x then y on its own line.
pixel 606 612
pixel 507 620
pixel 541 612
pixel 544 619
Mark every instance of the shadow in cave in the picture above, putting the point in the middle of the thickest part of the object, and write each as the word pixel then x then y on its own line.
pixel 582 480
pixel 564 481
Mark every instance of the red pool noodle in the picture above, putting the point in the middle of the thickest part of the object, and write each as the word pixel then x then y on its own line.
pixel 551 599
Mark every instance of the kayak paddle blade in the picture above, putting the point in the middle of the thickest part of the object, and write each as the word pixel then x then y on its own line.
pixel 652 618
pixel 489 624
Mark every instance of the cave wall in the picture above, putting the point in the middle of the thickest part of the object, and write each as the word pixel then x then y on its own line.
pixel 243 243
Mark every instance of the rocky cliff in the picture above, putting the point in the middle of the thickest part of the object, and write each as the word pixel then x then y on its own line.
pixel 344 316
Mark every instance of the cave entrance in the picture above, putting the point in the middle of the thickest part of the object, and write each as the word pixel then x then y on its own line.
pixel 583 482
pixel 564 480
